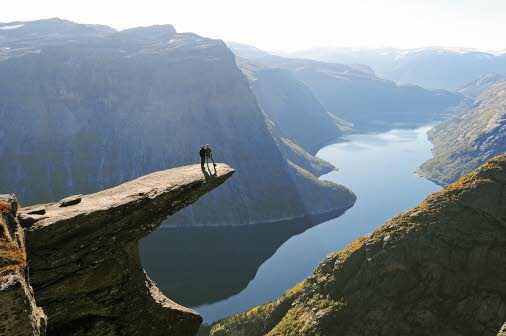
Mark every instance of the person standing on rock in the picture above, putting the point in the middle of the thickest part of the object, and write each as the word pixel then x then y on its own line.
pixel 202 154
pixel 209 155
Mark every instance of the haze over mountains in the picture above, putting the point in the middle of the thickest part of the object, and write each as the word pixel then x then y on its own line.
pixel 476 87
pixel 354 93
pixel 433 68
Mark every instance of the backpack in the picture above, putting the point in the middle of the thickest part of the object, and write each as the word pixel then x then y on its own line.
pixel 202 151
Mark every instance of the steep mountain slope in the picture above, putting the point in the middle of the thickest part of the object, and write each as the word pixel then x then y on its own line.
pixel 296 113
pixel 370 102
pixel 438 269
pixel 355 94
pixel 477 87
pixel 436 68
pixel 88 113
pixel 466 141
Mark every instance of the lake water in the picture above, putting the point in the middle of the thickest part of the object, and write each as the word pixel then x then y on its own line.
pixel 244 267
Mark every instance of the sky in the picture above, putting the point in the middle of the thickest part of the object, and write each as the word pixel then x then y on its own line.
pixel 283 25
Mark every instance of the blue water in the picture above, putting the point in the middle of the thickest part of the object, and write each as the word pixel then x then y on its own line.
pixel 379 168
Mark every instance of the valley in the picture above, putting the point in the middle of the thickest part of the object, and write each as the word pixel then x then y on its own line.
pixel 352 186
pixel 250 266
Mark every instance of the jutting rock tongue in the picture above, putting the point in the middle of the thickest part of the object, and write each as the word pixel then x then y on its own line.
pixel 84 262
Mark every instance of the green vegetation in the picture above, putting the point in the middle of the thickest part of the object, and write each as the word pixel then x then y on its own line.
pixel 259 320
pixel 365 285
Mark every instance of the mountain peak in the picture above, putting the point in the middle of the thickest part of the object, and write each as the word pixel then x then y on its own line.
pixel 155 32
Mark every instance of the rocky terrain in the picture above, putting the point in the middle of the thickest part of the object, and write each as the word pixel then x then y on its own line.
pixel 89 107
pixel 466 141
pixel 82 254
pixel 353 93
pixel 437 269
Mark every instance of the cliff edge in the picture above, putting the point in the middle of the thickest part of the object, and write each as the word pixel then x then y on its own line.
pixel 82 255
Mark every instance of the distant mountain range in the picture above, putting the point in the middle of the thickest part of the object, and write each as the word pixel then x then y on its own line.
pixel 351 93
pixel 433 68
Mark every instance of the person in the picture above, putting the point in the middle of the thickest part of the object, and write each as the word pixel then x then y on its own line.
pixel 209 155
pixel 202 154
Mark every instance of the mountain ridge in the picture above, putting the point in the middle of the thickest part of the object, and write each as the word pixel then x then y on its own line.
pixel 439 265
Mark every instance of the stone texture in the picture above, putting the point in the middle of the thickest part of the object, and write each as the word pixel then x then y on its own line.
pixel 37 211
pixel 68 201
pixel 437 269
pixel 84 262
pixel 19 314
pixel 502 332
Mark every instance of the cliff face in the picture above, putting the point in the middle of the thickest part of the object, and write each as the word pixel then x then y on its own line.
pixel 467 141
pixel 19 314
pixel 83 257
pixel 88 113
pixel 296 113
pixel 438 269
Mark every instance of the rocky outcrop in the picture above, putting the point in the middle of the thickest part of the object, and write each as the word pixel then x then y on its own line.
pixel 106 107
pixel 437 269
pixel 19 314
pixel 84 262
pixel 466 141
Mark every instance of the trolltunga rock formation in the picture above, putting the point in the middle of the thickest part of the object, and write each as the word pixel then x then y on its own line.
pixel 84 263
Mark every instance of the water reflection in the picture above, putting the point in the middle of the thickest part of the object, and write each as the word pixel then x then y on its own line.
pixel 197 266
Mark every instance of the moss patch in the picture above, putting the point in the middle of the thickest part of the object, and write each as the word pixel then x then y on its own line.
pixel 5 208
pixel 12 257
